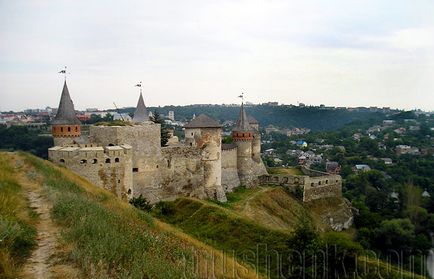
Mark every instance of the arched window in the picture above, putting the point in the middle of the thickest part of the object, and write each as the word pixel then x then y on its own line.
pixel 69 129
pixel 76 128
pixel 129 191
pixel 327 182
pixel 116 160
pixel 62 161
pixel 111 144
pixel 94 161
pixel 107 161
pixel 61 129
pixel 312 184
pixel 319 182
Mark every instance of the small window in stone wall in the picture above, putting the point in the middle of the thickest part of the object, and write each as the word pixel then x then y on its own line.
pixel 157 166
pixel 129 191
pixel 76 128
pixel 107 160
pixel 84 161
pixel 94 161
pixel 111 144
pixel 61 129
pixel 116 160
pixel 312 184
pixel 135 169
pixel 327 182
pixel 62 161
pixel 319 182
pixel 69 129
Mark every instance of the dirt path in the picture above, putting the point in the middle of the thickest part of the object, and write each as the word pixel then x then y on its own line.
pixel 44 261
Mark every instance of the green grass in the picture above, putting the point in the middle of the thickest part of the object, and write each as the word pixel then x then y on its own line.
pixel 109 238
pixel 227 232
pixel 238 195
pixel 250 242
pixel 17 221
pixel 285 171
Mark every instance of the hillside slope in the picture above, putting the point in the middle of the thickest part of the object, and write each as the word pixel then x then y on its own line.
pixel 86 232
pixel 274 208
pixel 255 226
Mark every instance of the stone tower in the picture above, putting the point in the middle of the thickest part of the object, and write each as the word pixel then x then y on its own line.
pixel 256 142
pixel 65 125
pixel 249 163
pixel 204 133
pixel 242 135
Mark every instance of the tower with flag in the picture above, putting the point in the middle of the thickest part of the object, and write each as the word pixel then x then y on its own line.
pixel 65 127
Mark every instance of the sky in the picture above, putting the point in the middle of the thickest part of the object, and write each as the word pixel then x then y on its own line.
pixel 332 52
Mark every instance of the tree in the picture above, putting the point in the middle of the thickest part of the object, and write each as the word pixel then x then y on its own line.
pixel 156 118
pixel 396 234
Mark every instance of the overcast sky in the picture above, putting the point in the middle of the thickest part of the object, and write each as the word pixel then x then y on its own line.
pixel 341 53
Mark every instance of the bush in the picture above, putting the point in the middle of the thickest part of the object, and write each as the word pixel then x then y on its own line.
pixel 141 203
pixel 166 208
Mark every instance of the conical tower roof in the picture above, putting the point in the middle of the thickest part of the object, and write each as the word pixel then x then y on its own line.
pixel 243 121
pixel 203 121
pixel 66 112
pixel 141 113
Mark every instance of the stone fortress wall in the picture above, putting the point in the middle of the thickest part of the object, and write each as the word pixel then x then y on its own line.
pixel 315 185
pixel 107 167
pixel 230 179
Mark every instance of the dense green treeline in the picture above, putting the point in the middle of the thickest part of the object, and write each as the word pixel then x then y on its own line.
pixel 280 116
pixel 22 138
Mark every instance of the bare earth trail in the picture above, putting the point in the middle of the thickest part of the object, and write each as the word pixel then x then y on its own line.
pixel 44 262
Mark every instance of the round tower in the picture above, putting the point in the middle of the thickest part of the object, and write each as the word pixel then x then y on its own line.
pixel 205 133
pixel 256 143
pixel 242 135
pixel 65 127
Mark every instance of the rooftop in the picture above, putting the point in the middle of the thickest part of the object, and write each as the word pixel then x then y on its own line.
pixel 66 112
pixel 203 121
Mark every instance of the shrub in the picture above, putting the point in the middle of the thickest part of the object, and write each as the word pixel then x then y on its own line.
pixel 141 203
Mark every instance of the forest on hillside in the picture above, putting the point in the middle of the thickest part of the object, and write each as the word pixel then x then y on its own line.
pixel 314 118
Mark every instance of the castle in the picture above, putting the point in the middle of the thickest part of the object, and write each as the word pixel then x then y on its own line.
pixel 129 160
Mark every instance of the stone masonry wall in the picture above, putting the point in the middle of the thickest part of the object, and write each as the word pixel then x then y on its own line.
pixel 314 187
pixel 108 168
pixel 230 179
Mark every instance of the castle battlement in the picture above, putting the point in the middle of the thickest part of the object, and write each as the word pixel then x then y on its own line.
pixel 315 185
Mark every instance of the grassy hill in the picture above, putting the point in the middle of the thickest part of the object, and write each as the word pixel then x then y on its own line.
pixel 55 224
pixel 98 236
pixel 256 224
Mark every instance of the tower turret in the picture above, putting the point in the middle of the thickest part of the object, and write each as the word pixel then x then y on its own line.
pixel 247 138
pixel 65 127
pixel 205 134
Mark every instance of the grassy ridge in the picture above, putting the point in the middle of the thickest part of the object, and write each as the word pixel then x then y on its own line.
pixel 108 239
pixel 17 221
